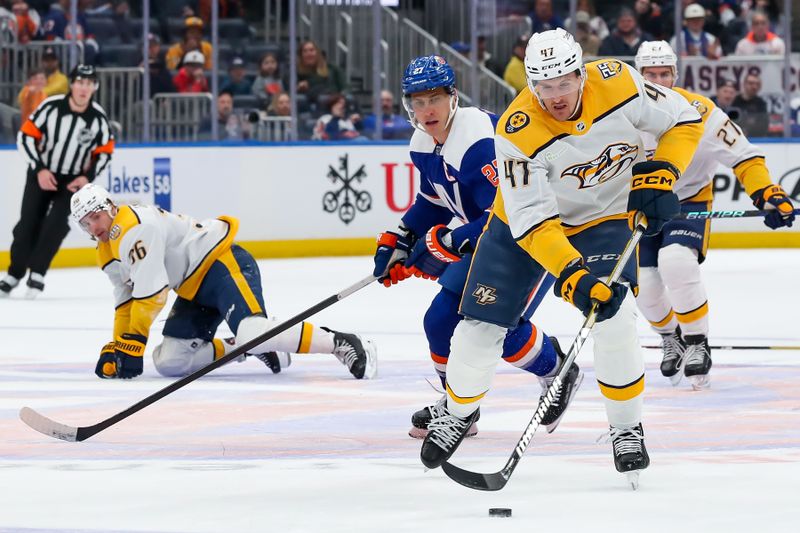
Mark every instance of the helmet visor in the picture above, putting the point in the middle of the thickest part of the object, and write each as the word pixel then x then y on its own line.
pixel 561 86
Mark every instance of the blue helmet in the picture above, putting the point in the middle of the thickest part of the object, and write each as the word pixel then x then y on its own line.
pixel 426 73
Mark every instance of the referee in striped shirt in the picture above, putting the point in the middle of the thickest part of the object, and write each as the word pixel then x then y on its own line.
pixel 67 142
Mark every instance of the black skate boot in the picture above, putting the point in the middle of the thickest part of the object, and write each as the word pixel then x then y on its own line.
pixel 563 397
pixel 275 361
pixel 358 355
pixel 698 361
pixel 35 285
pixel 423 417
pixel 445 433
pixel 673 349
pixel 630 453
pixel 7 284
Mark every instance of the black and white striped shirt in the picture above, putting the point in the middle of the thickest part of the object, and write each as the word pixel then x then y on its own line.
pixel 67 143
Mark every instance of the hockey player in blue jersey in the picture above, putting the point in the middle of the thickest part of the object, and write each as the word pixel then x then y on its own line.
pixel 453 150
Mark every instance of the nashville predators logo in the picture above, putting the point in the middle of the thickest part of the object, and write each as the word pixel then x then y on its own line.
pixel 701 107
pixel 485 295
pixel 516 122
pixel 615 159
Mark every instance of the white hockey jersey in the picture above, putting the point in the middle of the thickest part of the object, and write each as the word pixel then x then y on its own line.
pixel 579 171
pixel 722 142
pixel 150 250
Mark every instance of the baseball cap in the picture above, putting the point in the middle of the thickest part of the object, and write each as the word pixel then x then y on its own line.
pixel 582 17
pixel 49 52
pixel 194 22
pixel 153 38
pixel 195 57
pixel 237 62
pixel 694 11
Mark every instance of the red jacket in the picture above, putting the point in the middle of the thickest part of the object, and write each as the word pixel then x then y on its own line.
pixel 186 83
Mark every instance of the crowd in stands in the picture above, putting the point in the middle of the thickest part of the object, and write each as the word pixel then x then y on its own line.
pixel 254 75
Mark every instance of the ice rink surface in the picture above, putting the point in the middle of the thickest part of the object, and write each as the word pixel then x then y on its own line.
pixel 313 450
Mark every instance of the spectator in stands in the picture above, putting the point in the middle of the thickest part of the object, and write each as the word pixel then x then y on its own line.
pixel 227 9
pixel 590 43
pixel 236 82
pixel 649 17
pixel 192 40
pixel 626 37
pixel 335 126
pixel 597 26
pixel 268 82
pixel 121 15
pixel 514 73
pixel 314 75
pixel 58 26
pixel 696 41
pixel 191 78
pixel 154 51
pixel 754 118
pixel 231 127
pixel 726 93
pixel 734 26
pixel 760 41
pixel 27 21
pixel 543 18
pixel 280 106
pixel 56 80
pixel 32 94
pixel 394 126
pixel 160 77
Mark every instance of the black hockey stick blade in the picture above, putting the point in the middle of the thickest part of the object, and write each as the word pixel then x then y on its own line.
pixel 497 480
pixel 726 213
pixel 54 429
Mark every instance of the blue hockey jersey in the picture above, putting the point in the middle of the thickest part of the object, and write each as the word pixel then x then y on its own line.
pixel 457 178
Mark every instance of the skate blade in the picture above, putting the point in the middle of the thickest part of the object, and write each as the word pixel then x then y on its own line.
pixel 676 379
pixel 419 433
pixel 633 479
pixel 552 427
pixel 371 371
pixel 700 382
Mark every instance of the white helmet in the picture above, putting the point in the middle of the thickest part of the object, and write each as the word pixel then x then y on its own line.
pixel 551 54
pixel 89 199
pixel 656 54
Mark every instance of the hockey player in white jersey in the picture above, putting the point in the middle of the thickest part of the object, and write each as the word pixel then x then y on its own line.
pixel 671 292
pixel 573 174
pixel 146 251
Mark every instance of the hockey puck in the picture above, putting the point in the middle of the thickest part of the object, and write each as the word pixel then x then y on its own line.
pixel 500 511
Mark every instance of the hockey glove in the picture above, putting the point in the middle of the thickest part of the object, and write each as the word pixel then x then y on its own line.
pixel 107 364
pixel 431 255
pixel 651 194
pixel 390 256
pixel 775 196
pixel 576 285
pixel 129 352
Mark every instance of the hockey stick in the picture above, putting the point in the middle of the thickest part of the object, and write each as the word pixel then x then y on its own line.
pixel 732 347
pixel 497 480
pixel 51 428
pixel 703 215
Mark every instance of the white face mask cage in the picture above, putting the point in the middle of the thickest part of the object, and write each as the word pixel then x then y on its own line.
pixel 453 107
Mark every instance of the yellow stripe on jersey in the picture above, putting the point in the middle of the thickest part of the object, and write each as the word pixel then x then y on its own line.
pixel 752 173
pixel 624 392
pixel 463 399
pixel 609 86
pixel 227 259
pixel 694 314
pixel 144 311
pixel 125 219
pixel 219 348
pixel 703 105
pixel 306 333
pixel 188 289
pixel 549 246
pixel 706 194
pixel 664 321
pixel 678 144
pixel 122 319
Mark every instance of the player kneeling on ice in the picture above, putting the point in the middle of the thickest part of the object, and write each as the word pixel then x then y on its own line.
pixel 453 150
pixel 145 251
pixel 671 293
pixel 573 175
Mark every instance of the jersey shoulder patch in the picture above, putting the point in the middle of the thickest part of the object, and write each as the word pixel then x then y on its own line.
pixel 703 104
pixel 125 219
pixel 516 124
pixel 610 84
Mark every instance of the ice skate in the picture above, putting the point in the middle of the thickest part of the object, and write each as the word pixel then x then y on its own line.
pixel 698 361
pixel 673 348
pixel 422 418
pixel 563 397
pixel 630 453
pixel 35 285
pixel 445 433
pixel 275 361
pixel 358 355
pixel 7 284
